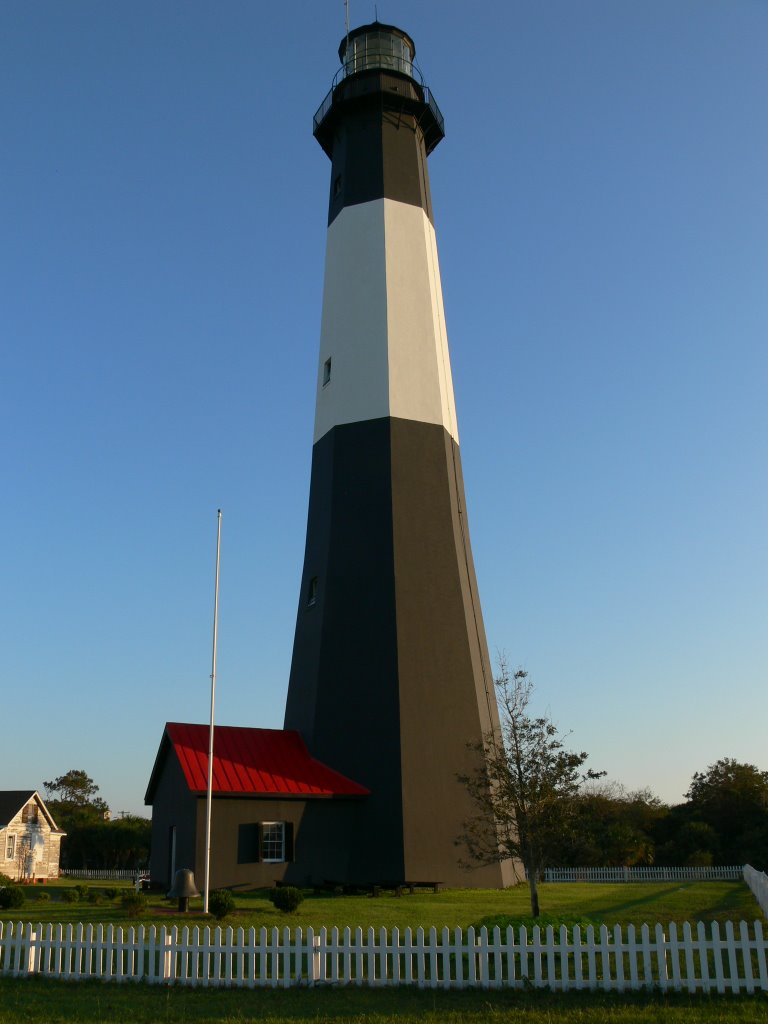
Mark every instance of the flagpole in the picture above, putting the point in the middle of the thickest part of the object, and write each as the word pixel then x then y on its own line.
pixel 209 797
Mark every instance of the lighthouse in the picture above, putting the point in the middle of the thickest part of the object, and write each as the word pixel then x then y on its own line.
pixel 390 680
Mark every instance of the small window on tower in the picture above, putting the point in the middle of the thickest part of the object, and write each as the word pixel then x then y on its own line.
pixel 326 372
pixel 312 591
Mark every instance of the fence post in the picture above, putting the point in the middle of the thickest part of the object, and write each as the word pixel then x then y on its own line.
pixel 32 964
pixel 166 954
pixel 314 941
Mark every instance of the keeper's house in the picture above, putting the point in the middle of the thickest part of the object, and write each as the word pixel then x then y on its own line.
pixel 278 814
pixel 30 841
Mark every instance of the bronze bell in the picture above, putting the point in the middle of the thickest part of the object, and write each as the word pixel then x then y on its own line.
pixel 183 888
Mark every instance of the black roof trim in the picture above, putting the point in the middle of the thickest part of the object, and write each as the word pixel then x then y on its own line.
pixel 375 26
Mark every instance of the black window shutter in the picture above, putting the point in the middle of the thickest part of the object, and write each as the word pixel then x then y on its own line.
pixel 260 852
pixel 288 825
pixel 247 844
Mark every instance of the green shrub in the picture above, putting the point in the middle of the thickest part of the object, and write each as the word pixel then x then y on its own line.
pixel 286 898
pixel 69 895
pixel 94 896
pixel 220 903
pixel 133 903
pixel 5 880
pixel 11 896
pixel 39 895
pixel 82 892
pixel 111 892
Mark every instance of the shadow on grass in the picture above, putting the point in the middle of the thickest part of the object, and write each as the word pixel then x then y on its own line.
pixel 731 902
pixel 628 905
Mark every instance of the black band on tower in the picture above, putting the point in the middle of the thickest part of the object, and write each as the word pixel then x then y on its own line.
pixel 389 674
pixel 378 124
pixel 378 153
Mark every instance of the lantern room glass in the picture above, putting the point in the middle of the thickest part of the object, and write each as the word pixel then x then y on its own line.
pixel 378 49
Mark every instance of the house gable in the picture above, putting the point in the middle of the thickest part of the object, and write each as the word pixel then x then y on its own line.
pixel 29 838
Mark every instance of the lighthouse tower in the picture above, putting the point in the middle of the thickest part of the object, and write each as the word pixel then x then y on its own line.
pixel 390 680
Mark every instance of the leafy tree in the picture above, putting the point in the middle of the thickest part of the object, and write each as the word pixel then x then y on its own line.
pixel 524 791
pixel 123 843
pixel 732 799
pixel 75 788
pixel 612 827
pixel 127 841
pixel 72 800
pixel 681 839
pixel 92 840
pixel 723 821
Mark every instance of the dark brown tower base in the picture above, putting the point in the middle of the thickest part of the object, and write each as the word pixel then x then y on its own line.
pixel 390 680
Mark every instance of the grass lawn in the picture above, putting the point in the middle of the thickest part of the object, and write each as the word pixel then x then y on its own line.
pixel 622 903
pixel 39 1001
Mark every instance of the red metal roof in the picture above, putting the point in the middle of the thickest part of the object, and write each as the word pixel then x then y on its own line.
pixel 272 762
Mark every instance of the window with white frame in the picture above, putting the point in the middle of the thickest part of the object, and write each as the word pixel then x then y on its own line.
pixel 273 842
pixel 10 847
pixel 268 842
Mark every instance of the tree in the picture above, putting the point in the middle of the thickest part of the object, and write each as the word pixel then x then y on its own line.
pixel 683 840
pixel 525 786
pixel 123 843
pixel 732 799
pixel 75 789
pixel 72 800
pixel 723 821
pixel 93 840
pixel 612 827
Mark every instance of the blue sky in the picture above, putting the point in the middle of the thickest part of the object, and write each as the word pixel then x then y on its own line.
pixel 601 207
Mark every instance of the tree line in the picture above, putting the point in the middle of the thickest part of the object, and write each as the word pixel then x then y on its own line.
pixel 535 802
pixel 724 820
pixel 92 839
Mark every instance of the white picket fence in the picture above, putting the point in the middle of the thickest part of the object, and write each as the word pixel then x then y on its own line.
pixel 645 874
pixel 613 874
pixel 758 883
pixel 102 874
pixel 700 959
